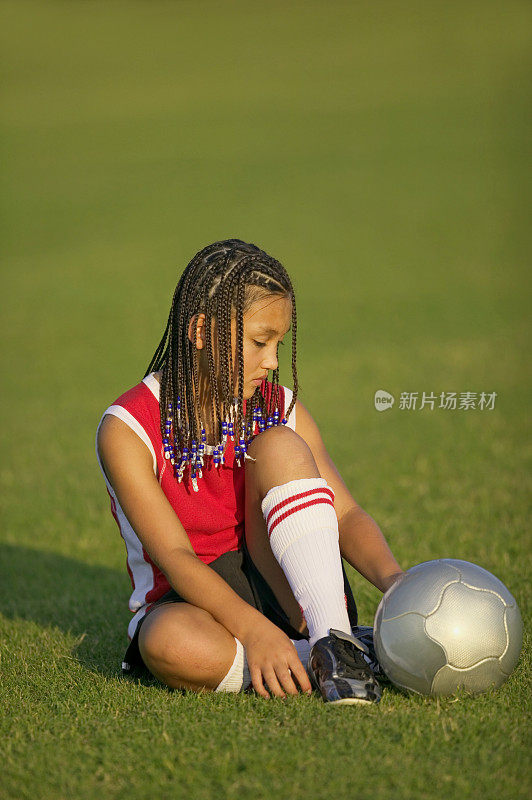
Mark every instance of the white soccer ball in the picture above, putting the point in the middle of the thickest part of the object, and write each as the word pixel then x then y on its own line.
pixel 448 624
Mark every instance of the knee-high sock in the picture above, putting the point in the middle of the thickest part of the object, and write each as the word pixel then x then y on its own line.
pixel 303 531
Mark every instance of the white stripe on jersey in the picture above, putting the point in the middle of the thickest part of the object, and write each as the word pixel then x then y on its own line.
pixel 288 394
pixel 153 385
pixel 142 572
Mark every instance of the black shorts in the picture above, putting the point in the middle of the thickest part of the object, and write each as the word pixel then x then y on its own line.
pixel 239 571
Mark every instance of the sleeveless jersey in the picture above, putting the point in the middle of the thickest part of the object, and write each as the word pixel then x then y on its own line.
pixel 213 517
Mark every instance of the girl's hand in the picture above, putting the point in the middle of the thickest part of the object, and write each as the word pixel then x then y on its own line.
pixel 390 580
pixel 273 659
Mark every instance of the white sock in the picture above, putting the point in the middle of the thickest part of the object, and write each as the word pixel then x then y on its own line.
pixel 237 677
pixel 303 531
pixel 303 647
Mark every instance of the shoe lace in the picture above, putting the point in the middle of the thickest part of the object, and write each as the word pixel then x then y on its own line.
pixel 366 636
pixel 352 659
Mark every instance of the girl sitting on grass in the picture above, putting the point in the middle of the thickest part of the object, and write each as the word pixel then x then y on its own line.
pixel 234 516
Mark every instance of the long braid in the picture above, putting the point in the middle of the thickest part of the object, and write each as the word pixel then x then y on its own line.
pixel 240 361
pixel 225 349
pixel 239 346
pixel 221 282
pixel 294 357
pixel 215 396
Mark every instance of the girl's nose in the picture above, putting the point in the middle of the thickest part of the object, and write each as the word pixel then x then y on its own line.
pixel 270 360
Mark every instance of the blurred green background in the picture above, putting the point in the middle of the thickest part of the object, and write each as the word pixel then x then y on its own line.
pixel 381 152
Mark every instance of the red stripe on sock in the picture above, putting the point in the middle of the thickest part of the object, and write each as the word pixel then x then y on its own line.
pixel 294 497
pixel 271 527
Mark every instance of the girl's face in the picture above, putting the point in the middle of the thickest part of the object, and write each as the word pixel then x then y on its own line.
pixel 266 322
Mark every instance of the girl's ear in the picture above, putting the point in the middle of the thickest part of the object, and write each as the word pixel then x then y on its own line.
pixel 196 330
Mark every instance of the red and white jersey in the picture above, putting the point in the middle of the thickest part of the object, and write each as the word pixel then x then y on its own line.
pixel 213 517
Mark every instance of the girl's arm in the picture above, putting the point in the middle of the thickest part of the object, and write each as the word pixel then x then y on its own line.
pixel 129 469
pixel 362 543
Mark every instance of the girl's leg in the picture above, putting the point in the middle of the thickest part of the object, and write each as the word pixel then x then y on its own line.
pixel 299 532
pixel 275 464
pixel 297 550
pixel 185 648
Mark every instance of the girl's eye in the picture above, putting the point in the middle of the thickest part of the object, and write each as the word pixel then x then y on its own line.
pixel 259 344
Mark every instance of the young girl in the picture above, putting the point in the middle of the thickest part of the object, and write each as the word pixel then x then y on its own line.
pixel 234 516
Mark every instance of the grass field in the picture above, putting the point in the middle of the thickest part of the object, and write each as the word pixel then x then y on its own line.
pixel 379 151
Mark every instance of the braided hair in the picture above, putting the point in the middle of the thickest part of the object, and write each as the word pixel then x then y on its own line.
pixel 222 281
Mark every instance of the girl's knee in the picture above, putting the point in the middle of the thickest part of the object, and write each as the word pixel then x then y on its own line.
pixel 276 437
pixel 280 455
pixel 184 647
pixel 167 631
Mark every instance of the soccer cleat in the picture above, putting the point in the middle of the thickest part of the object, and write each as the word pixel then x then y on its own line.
pixel 337 668
pixel 364 634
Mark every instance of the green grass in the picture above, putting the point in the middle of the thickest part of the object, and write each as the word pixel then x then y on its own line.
pixel 379 150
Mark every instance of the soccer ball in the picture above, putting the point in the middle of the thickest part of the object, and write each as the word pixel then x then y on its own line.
pixel 447 624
